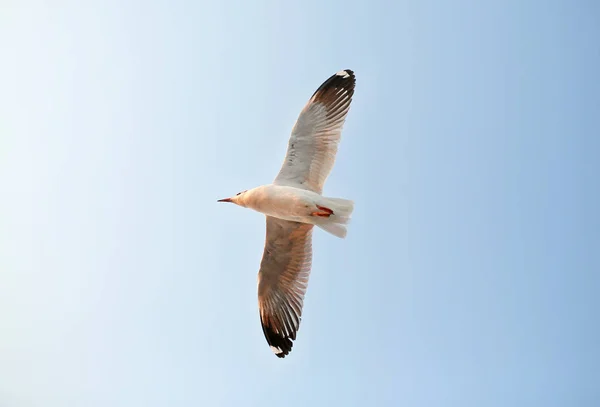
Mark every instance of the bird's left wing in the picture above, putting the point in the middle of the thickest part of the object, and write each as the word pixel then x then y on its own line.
pixel 314 141
pixel 282 281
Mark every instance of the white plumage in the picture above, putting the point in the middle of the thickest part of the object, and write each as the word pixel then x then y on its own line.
pixel 293 204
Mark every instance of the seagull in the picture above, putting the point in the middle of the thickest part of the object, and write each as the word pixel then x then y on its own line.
pixel 293 205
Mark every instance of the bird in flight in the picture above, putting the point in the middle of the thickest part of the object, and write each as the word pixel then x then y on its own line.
pixel 293 205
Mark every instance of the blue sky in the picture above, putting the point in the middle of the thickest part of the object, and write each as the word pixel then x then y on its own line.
pixel 469 276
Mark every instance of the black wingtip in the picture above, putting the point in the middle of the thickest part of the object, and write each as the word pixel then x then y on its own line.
pixel 349 72
pixel 344 79
pixel 280 346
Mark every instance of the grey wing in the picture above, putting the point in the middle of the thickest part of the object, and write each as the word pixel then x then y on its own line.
pixel 282 281
pixel 315 137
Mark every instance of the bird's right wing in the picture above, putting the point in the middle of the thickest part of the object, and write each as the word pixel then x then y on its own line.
pixel 314 141
pixel 282 281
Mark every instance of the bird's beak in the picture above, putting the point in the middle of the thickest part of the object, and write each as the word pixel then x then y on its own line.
pixel 225 200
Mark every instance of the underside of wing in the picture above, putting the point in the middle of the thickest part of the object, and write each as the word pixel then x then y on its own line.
pixel 282 281
pixel 315 137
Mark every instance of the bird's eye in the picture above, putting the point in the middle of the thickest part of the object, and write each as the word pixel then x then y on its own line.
pixel 237 193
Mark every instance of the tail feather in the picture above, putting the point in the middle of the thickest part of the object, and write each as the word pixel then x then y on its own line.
pixel 340 207
pixel 336 223
pixel 335 229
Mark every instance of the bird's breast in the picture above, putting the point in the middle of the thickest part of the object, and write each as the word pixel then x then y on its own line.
pixel 284 202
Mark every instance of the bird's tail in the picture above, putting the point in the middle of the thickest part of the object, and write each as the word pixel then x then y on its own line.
pixel 336 223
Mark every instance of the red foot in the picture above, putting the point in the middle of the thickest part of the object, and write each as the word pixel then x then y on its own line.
pixel 323 212
pixel 324 209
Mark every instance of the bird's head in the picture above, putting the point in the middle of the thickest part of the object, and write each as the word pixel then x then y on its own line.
pixel 238 199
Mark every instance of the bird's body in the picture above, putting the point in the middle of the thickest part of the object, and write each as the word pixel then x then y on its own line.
pixel 294 204
pixel 282 202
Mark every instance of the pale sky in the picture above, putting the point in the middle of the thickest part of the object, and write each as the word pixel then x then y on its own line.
pixel 469 276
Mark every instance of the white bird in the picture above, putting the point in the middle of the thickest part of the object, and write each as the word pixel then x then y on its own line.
pixel 293 204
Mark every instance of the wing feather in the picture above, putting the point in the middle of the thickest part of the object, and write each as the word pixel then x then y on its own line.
pixel 282 281
pixel 313 145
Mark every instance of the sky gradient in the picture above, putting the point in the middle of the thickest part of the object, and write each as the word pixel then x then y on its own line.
pixel 469 276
